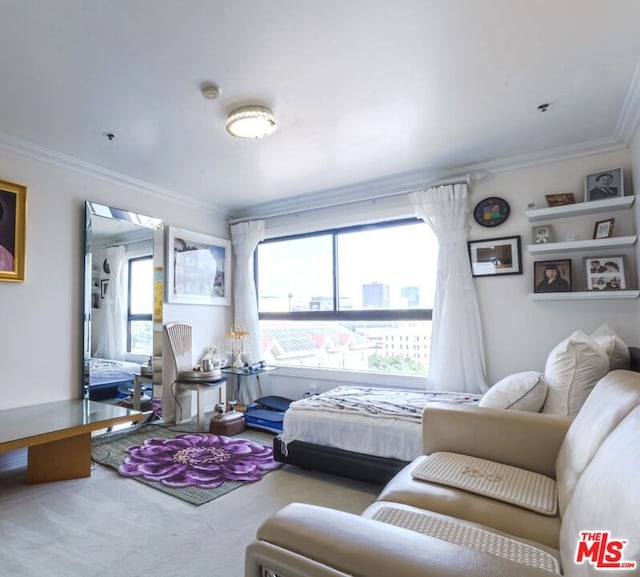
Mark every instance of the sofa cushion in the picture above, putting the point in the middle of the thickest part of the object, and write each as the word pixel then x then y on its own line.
pixel 572 369
pixel 524 391
pixel 616 349
pixel 512 485
pixel 464 533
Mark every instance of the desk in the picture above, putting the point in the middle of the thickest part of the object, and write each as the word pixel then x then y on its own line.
pixel 58 435
pixel 240 372
pixel 200 389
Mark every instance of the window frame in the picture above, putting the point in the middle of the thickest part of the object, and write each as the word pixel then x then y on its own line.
pixel 417 314
pixel 130 316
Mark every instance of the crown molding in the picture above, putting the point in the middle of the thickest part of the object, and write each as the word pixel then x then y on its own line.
pixel 67 162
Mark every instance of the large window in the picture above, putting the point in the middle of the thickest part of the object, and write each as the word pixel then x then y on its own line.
pixel 140 303
pixel 357 298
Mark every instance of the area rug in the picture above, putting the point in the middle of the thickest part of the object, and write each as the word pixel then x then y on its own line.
pixel 195 467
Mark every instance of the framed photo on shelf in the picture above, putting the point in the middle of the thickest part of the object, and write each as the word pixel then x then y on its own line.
pixel 604 228
pixel 560 199
pixel 13 218
pixel 198 268
pixel 104 287
pixel 495 256
pixel 552 276
pixel 603 185
pixel 605 273
pixel 542 234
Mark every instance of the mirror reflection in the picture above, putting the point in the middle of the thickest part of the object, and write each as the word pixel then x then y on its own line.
pixel 119 305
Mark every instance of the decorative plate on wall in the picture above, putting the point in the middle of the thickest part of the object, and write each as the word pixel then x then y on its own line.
pixel 491 211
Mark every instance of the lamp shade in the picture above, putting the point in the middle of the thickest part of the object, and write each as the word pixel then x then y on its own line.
pixel 251 122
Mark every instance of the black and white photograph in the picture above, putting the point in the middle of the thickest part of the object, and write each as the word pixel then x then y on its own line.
pixel 604 185
pixel 542 234
pixel 552 276
pixel 605 273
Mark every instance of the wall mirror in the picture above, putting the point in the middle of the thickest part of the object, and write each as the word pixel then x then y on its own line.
pixel 123 251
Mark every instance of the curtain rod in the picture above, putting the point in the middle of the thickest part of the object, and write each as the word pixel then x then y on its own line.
pixel 466 179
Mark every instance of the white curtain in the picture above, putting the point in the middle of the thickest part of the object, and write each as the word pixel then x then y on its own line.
pixel 113 338
pixel 457 351
pixel 245 237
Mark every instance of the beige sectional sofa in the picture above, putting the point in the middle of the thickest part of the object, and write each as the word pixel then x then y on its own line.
pixel 497 493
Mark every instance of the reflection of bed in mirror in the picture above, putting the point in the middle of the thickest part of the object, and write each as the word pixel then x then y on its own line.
pixel 108 378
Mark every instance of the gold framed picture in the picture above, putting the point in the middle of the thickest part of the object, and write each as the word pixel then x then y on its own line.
pixel 13 221
pixel 604 228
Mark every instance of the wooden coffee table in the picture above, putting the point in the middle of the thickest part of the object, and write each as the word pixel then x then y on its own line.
pixel 58 435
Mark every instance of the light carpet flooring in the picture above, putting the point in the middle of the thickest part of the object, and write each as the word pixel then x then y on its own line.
pixel 108 526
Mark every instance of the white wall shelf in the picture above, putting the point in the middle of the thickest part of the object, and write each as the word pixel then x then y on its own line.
pixel 585 295
pixel 583 245
pixel 580 208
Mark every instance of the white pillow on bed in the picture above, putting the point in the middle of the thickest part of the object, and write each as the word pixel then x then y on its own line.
pixel 572 369
pixel 616 349
pixel 524 391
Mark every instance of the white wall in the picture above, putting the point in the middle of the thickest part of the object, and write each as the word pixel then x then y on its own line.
pixel 40 319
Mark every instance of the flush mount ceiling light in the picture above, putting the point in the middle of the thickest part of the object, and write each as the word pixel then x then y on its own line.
pixel 251 121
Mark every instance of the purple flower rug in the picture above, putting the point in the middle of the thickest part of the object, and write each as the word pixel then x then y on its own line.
pixel 196 467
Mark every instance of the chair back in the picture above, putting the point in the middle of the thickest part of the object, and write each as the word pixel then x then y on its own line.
pixel 179 339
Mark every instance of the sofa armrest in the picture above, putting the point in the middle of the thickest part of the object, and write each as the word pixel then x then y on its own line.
pixel 521 439
pixel 310 541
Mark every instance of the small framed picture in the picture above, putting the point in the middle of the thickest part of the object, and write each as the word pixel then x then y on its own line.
pixel 604 228
pixel 552 276
pixel 603 185
pixel 495 256
pixel 560 199
pixel 605 273
pixel 542 234
pixel 104 286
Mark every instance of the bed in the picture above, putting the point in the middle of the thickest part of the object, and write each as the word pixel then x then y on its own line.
pixel 108 378
pixel 383 431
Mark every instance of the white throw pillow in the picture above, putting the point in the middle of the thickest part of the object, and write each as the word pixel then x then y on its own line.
pixel 519 392
pixel 616 349
pixel 572 369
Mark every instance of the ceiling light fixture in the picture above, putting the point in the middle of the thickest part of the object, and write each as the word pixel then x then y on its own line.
pixel 251 121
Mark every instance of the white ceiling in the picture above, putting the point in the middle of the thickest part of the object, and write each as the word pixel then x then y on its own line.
pixel 367 92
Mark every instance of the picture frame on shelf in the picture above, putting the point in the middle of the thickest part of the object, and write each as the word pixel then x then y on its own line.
pixel 542 234
pixel 13 219
pixel 495 256
pixel 552 276
pixel 104 287
pixel 198 268
pixel 604 185
pixel 560 199
pixel 606 273
pixel 604 228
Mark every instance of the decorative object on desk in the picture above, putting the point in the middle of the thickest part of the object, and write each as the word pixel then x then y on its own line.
pixel 239 344
pixel 552 276
pixel 604 185
pixel 491 211
pixel 13 222
pixel 198 268
pixel 196 467
pixel 560 199
pixel 605 273
pixel 604 228
pixel 542 234
pixel 495 256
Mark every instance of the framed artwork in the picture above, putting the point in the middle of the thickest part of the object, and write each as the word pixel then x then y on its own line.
pixel 542 234
pixel 104 285
pixel 604 228
pixel 198 268
pixel 13 222
pixel 552 276
pixel 491 211
pixel 603 185
pixel 560 199
pixel 495 256
pixel 605 273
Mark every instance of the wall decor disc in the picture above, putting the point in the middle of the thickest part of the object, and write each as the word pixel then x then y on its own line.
pixel 491 211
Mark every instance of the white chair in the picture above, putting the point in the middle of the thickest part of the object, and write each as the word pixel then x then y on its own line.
pixel 178 341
